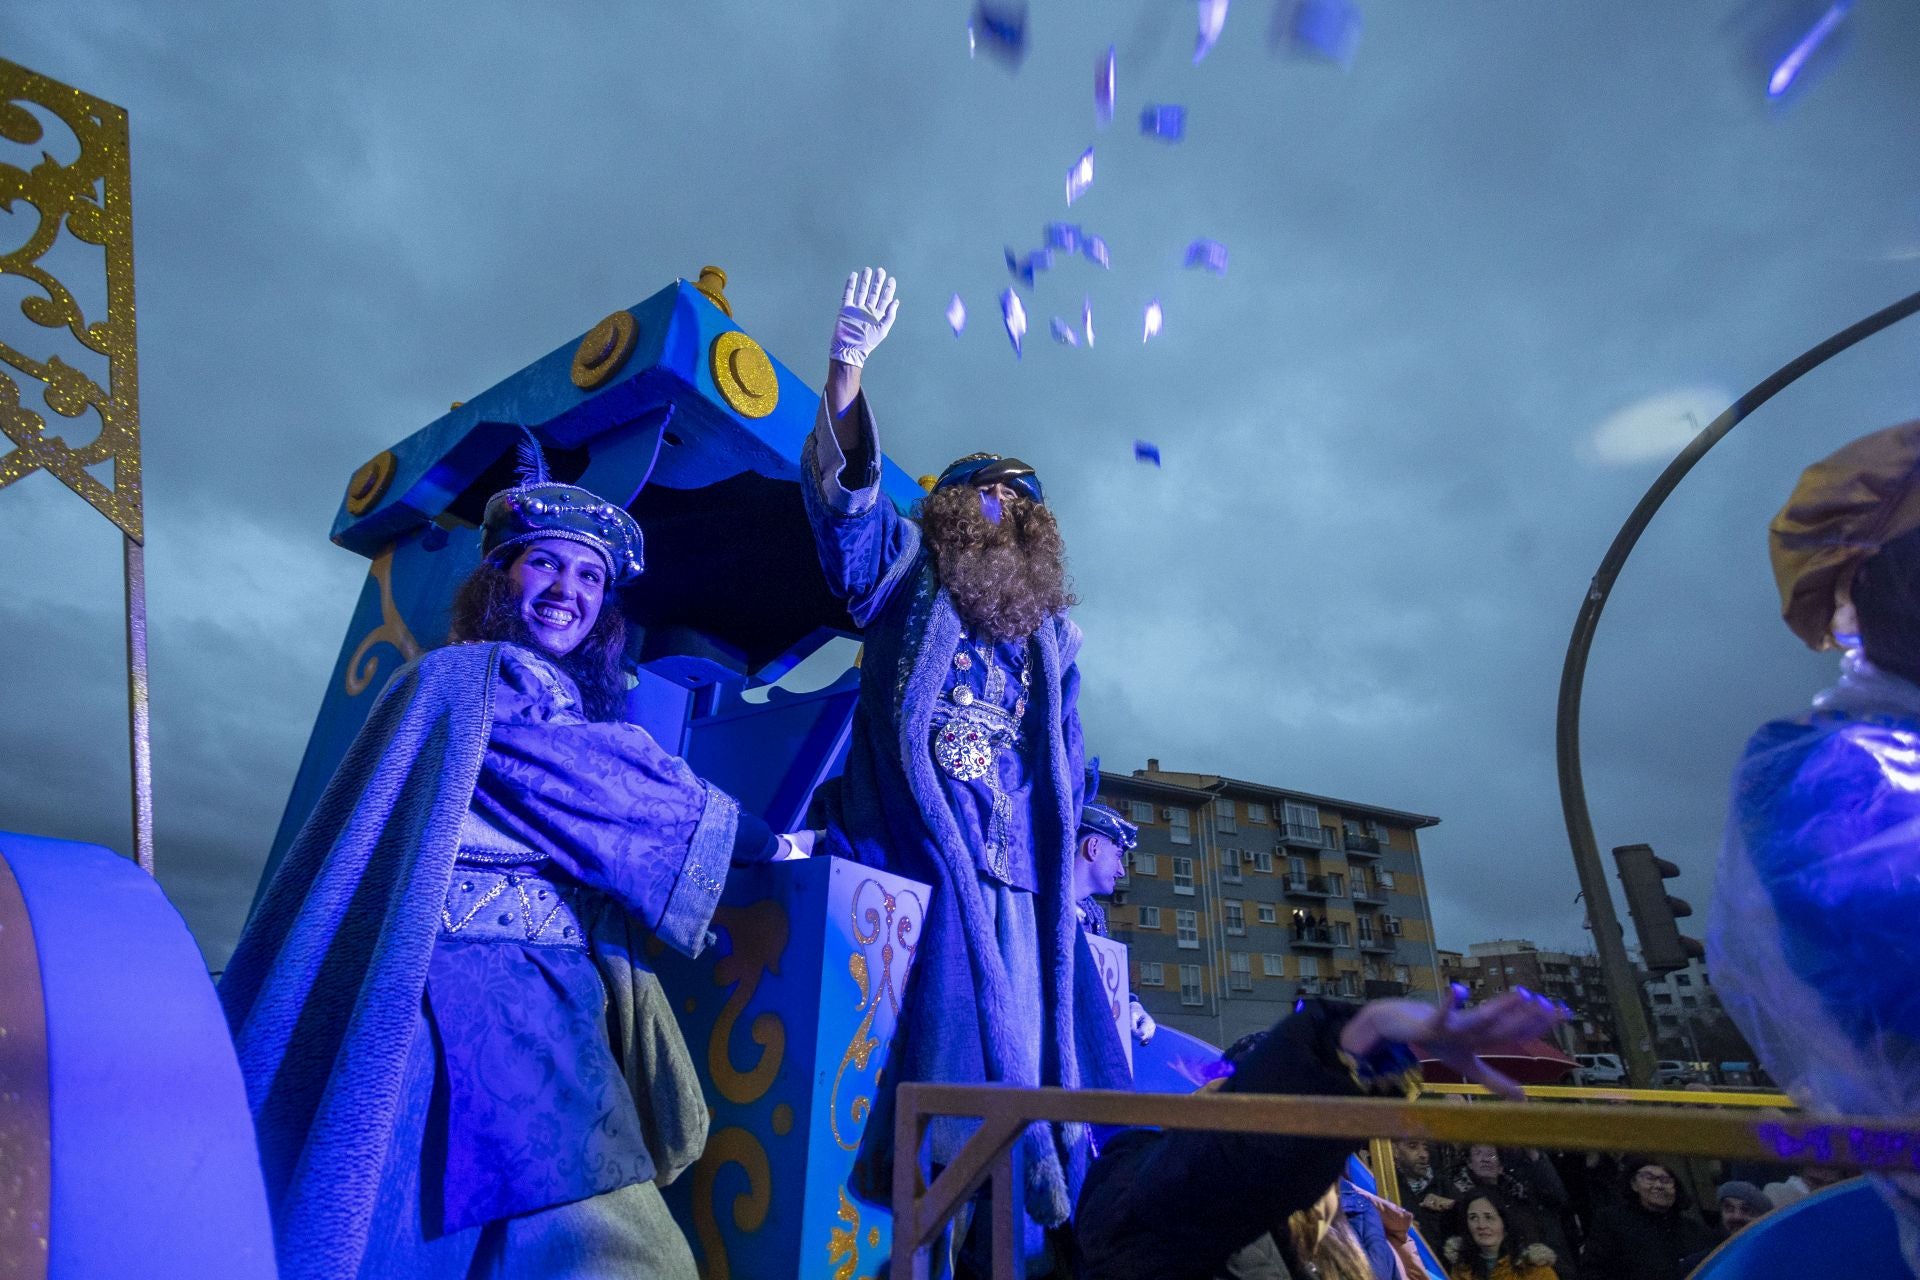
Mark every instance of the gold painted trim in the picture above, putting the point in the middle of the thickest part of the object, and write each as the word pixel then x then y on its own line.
pixel 392 630
pixel 604 350
pixel 744 374
pixel 369 483
pixel 713 284
pixel 91 198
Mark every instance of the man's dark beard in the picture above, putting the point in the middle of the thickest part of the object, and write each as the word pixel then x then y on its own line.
pixel 1005 579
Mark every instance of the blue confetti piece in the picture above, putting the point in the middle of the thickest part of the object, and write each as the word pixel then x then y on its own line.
pixel 1209 255
pixel 1014 316
pixel 1103 90
pixel 1086 318
pixel 1795 62
pixel 1213 16
pixel 1328 29
pixel 1094 249
pixel 1024 269
pixel 1064 236
pixel 1001 28
pixel 1063 333
pixel 1152 321
pixel 1080 176
pixel 957 315
pixel 1144 452
pixel 1167 123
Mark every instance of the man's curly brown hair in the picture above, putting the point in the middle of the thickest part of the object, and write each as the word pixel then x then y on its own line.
pixel 487 607
pixel 1005 579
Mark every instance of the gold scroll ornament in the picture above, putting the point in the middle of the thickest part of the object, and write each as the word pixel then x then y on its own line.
pixel 363 666
pixel 758 935
pixel 898 926
pixel 92 199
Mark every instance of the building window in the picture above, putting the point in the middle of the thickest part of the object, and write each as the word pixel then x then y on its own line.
pixel 1336 884
pixel 1149 917
pixel 1384 879
pixel 1267 914
pixel 1359 882
pixel 1682 980
pixel 1223 816
pixel 1342 934
pixel 1190 984
pixel 1146 864
pixel 1273 965
pixel 1378 830
pixel 1301 815
pixel 1349 983
pixel 1239 971
pixel 1236 916
pixel 1403 975
pixel 1186 927
pixel 1256 813
pixel 1263 860
pixel 1297 867
pixel 1140 812
pixel 1183 876
pixel 1309 966
pixel 1230 865
pixel 1366 929
pixel 1153 974
pixel 1180 826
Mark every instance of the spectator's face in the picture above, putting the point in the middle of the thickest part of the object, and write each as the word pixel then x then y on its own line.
pixel 1484 1162
pixel 1413 1155
pixel 1655 1187
pixel 1735 1214
pixel 1484 1224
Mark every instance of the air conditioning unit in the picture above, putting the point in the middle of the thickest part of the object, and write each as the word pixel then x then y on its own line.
pixel 1166 814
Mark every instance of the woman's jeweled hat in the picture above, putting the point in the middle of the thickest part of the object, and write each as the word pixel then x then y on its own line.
pixel 541 507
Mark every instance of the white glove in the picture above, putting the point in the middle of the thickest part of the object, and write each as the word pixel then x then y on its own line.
pixel 866 316
pixel 795 845
pixel 1143 1024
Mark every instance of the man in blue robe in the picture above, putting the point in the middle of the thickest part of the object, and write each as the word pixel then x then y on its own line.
pixel 964 768
pixel 1100 860
pixel 457 1060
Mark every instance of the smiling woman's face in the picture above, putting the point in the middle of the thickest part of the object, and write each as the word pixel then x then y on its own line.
pixel 560 585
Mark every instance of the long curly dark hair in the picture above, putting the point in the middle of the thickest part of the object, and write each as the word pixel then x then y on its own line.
pixel 487 607
pixel 1522 1233
pixel 1005 579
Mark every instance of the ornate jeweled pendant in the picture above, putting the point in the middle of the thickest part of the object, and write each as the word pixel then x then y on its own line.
pixel 962 696
pixel 964 751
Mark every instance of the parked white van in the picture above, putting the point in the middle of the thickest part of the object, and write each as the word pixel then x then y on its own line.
pixel 1600 1068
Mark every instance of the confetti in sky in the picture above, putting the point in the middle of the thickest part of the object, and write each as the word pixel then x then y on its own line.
pixel 1063 333
pixel 1144 452
pixel 1094 249
pixel 1209 255
pixel 1080 176
pixel 1001 29
pixel 957 315
pixel 1103 89
pixel 1086 318
pixel 1328 29
pixel 1015 317
pixel 1154 319
pixel 1796 60
pixel 1213 16
pixel 1167 123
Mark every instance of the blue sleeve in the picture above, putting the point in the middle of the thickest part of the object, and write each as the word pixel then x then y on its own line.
pixel 866 547
pixel 1371 1232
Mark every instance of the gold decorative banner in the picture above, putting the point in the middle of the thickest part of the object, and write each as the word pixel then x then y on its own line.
pixel 92 199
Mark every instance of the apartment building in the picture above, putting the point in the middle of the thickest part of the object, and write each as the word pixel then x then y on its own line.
pixel 1243 896
pixel 1488 968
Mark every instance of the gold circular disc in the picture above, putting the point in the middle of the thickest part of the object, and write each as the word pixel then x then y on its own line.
pixel 744 374
pixel 604 349
pixel 369 483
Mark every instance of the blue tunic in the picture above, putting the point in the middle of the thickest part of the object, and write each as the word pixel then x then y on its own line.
pixel 966 1018
pixel 326 990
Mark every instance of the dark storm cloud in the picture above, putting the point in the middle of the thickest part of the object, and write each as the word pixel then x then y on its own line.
pixel 1380 505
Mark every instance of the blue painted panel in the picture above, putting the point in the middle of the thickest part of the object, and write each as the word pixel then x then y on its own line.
pixel 155 1171
pixel 789 1016
pixel 1846 1230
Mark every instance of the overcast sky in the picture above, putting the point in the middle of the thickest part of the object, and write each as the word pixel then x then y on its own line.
pixel 1477 283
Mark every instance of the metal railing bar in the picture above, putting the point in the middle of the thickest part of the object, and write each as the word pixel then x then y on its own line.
pixel 1697 1097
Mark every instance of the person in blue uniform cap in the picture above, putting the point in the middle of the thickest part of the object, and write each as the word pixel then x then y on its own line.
pixel 1104 840
pixel 457 1061
pixel 1811 938
pixel 965 770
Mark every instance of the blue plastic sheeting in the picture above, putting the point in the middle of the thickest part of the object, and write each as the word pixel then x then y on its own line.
pixel 155 1172
pixel 1846 1230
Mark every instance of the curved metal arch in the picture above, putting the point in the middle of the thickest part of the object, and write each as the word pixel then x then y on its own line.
pixel 1573 791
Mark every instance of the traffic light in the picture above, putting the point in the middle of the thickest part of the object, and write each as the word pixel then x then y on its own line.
pixel 1663 948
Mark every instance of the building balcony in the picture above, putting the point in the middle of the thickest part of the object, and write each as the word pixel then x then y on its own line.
pixel 1304 886
pixel 1298 833
pixel 1309 986
pixel 1370 893
pixel 1314 939
pixel 1381 946
pixel 1361 846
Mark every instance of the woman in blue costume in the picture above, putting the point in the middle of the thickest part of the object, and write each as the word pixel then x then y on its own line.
pixel 458 1064
pixel 1813 940
pixel 964 769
